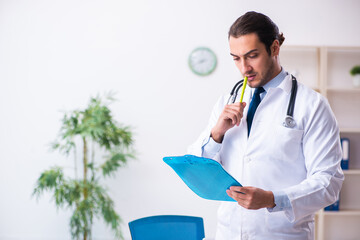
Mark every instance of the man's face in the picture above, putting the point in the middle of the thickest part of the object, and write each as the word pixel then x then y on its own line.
pixel 252 59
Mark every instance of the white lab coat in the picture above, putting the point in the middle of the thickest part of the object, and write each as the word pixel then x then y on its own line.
pixel 303 162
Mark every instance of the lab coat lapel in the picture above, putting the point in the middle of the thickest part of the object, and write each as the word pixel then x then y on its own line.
pixel 271 105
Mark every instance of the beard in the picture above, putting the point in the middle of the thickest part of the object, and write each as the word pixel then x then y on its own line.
pixel 268 74
pixel 269 71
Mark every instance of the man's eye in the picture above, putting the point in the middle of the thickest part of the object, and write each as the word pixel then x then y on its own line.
pixel 236 59
pixel 253 55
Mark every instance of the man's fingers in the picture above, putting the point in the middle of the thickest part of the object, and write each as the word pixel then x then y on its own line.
pixel 239 189
pixel 233 115
pixel 237 193
pixel 234 112
pixel 251 197
pixel 230 116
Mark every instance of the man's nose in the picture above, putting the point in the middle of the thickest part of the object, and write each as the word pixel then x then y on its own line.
pixel 245 67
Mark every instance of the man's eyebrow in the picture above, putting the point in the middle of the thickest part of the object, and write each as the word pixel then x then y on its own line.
pixel 249 52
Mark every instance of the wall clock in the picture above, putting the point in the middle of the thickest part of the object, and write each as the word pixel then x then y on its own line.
pixel 202 61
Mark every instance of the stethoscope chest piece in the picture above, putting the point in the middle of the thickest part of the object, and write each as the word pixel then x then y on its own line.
pixel 289 122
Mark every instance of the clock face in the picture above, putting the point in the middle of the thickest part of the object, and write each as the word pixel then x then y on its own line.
pixel 202 61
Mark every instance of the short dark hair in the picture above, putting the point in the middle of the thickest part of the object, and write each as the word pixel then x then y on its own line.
pixel 262 25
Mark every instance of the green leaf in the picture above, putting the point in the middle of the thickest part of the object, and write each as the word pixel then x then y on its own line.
pixel 115 161
pixel 48 180
pixel 106 206
pixel 355 70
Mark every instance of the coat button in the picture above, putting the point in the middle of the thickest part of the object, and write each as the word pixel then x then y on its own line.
pixel 247 160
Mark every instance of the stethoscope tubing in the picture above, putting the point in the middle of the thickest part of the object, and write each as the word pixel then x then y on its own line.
pixel 289 119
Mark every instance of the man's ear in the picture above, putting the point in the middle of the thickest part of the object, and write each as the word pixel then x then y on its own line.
pixel 275 48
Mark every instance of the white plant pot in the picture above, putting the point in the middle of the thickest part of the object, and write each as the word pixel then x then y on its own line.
pixel 356 80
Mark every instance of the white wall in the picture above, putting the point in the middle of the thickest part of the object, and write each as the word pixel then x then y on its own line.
pixel 55 54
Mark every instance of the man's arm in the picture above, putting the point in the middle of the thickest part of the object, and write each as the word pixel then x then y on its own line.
pixel 322 154
pixel 223 118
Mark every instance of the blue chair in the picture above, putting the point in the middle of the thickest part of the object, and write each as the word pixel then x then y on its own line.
pixel 167 227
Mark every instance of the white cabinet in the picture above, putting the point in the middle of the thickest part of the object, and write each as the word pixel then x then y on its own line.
pixel 326 69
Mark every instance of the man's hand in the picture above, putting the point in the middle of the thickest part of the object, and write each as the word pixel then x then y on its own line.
pixel 251 197
pixel 230 116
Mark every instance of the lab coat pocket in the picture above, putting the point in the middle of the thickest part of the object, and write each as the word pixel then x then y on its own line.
pixel 287 142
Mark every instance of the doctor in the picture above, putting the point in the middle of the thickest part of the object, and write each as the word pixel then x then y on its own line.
pixel 287 173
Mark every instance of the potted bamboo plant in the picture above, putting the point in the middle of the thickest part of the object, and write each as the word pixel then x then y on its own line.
pixel 105 146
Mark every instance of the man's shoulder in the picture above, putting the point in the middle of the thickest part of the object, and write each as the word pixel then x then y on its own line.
pixel 309 94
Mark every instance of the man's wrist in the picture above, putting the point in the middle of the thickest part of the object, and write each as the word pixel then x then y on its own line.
pixel 271 198
pixel 217 137
pixel 282 201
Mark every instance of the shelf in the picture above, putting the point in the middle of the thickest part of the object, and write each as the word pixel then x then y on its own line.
pixel 338 65
pixel 343 90
pixel 342 213
pixel 352 172
pixel 343 49
pixel 299 48
pixel 345 105
pixel 327 69
pixel 349 130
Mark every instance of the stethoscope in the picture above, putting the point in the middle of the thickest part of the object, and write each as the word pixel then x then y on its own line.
pixel 289 121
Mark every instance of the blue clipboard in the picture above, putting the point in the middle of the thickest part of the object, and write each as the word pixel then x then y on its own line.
pixel 205 177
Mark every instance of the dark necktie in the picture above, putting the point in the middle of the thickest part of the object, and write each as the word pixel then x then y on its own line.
pixel 253 105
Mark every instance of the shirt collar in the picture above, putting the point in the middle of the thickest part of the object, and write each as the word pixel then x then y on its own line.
pixel 275 82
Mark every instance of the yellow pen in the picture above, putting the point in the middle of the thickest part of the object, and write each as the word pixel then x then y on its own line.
pixel 243 89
